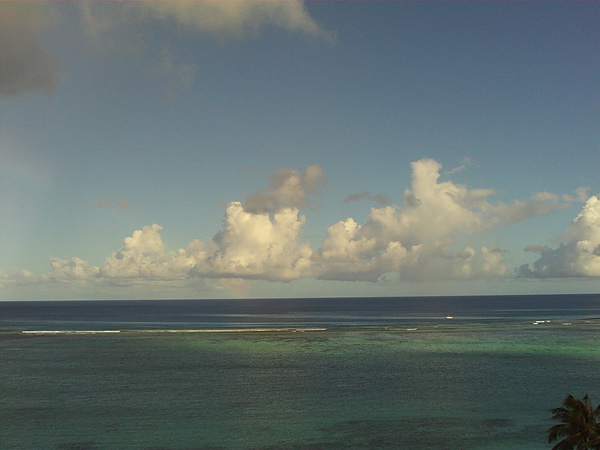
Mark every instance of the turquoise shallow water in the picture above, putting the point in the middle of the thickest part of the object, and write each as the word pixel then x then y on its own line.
pixel 444 386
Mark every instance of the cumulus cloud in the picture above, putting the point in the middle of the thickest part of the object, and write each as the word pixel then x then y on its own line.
pixel 144 257
pixel 68 270
pixel 351 252
pixel 261 239
pixel 256 246
pixel 288 189
pixel 416 241
pixel 23 277
pixel 24 64
pixel 440 262
pixel 579 256
pixel 250 246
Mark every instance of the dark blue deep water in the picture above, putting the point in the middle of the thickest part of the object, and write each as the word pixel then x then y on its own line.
pixel 406 373
pixel 278 313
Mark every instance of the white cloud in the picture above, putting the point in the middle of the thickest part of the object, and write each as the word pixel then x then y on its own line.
pixel 347 253
pixel 289 189
pixel 144 257
pixel 442 263
pixel 416 241
pixel 256 246
pixel 21 278
pixel 65 271
pixel 579 257
pixel 419 241
pixel 24 64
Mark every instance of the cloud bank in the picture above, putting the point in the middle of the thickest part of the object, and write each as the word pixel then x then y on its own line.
pixel 261 239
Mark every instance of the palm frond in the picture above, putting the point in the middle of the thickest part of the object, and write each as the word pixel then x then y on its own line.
pixel 593 444
pixel 568 443
pixel 579 425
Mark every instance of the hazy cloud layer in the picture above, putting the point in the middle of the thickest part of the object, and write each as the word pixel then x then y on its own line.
pixel 125 26
pixel 579 256
pixel 24 64
pixel 218 19
pixel 261 240
pixel 225 19
pixel 466 162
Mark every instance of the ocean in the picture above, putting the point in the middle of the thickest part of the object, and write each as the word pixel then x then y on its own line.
pixel 352 373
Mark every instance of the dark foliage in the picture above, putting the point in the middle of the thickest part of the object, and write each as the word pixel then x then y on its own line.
pixel 580 425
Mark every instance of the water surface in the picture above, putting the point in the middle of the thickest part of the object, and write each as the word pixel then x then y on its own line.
pixel 374 375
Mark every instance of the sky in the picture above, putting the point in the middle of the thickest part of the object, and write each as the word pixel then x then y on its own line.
pixel 241 149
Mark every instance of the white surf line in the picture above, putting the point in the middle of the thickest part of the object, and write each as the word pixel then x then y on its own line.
pixel 68 331
pixel 235 330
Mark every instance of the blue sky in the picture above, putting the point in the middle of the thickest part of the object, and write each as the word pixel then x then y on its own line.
pixel 263 149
